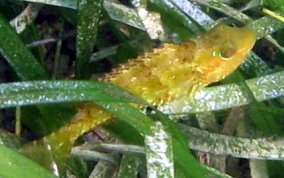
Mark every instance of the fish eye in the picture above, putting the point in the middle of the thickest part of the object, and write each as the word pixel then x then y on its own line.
pixel 229 52
pixel 221 55
pixel 228 49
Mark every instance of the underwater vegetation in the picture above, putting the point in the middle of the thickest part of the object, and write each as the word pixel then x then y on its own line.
pixel 94 88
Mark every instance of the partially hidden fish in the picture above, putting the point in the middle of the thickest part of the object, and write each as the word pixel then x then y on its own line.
pixel 160 76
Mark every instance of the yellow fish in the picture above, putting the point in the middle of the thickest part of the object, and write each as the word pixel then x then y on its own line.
pixel 160 76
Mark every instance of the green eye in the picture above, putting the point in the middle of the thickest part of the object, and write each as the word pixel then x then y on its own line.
pixel 225 54
pixel 220 55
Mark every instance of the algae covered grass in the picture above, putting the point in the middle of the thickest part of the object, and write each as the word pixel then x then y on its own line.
pixel 50 49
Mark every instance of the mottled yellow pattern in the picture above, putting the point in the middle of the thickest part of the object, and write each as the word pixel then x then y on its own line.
pixel 177 70
pixel 158 77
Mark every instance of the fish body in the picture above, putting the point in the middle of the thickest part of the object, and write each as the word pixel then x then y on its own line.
pixel 177 70
pixel 160 76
